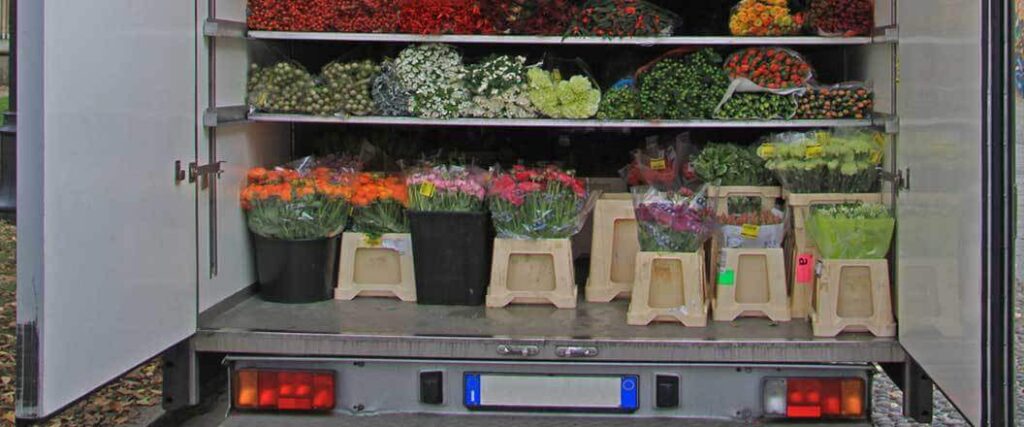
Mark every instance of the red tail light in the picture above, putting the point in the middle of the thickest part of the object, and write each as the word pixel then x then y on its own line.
pixel 814 398
pixel 284 390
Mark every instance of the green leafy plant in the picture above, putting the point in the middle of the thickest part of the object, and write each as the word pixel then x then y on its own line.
pixel 620 103
pixel 757 106
pixel 825 162
pixel 731 165
pixel 576 98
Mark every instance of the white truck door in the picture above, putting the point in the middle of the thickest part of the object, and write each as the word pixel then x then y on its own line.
pixel 952 246
pixel 107 237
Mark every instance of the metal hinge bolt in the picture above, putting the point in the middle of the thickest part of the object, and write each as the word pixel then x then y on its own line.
pixel 196 170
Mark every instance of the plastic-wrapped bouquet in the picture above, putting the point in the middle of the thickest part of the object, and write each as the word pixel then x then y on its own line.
pixel 446 189
pixel 623 18
pixel 379 203
pixel 852 231
pixel 538 203
pixel 498 88
pixel 825 162
pixel 754 230
pixel 672 221
pixel 296 204
pixel 654 166
pixel 434 75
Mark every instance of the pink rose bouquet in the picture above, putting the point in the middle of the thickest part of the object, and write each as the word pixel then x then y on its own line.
pixel 538 203
pixel 447 189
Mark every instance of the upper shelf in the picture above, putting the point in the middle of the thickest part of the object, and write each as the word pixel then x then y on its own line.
pixel 558 123
pixel 558 40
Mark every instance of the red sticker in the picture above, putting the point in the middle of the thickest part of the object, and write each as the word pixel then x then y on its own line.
pixel 805 268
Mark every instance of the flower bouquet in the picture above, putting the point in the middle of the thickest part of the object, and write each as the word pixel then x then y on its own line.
pixel 672 221
pixel 764 18
pixel 852 230
pixel 653 166
pixel 825 162
pixel 295 217
pixel 737 174
pixel 538 203
pixel 379 203
pixel 623 18
pixel 753 230
pixel 451 233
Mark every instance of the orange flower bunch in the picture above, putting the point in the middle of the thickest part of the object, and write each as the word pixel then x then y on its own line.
pixel 369 188
pixel 764 18
pixel 287 204
pixel 288 184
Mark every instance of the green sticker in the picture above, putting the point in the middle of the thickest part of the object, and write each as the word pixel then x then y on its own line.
pixel 726 278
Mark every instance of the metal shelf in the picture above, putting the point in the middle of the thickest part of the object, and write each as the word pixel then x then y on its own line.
pixel 389 328
pixel 559 40
pixel 558 123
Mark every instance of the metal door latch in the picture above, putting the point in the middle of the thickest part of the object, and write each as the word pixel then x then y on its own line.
pixel 576 352
pixel 518 350
pixel 900 180
pixel 196 170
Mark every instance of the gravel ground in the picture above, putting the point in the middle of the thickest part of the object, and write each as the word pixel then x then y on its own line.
pixel 888 407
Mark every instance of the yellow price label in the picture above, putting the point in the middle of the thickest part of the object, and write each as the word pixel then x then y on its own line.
pixel 766 150
pixel 373 241
pixel 658 164
pixel 814 151
pixel 428 189
pixel 876 157
pixel 750 231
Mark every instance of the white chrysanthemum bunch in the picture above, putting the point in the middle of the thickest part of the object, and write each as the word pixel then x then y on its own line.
pixel 434 75
pixel 498 88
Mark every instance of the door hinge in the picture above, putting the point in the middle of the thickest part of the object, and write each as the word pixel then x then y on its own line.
pixel 196 170
pixel 900 179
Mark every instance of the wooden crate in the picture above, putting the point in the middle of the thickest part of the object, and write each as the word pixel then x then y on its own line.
pixel 751 282
pixel 854 296
pixel 614 248
pixel 720 196
pixel 800 243
pixel 669 287
pixel 376 267
pixel 532 272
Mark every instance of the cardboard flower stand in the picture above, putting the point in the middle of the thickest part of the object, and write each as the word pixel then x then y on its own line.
pixel 614 248
pixel 532 272
pixel 751 282
pixel 376 267
pixel 854 296
pixel 669 287
pixel 802 252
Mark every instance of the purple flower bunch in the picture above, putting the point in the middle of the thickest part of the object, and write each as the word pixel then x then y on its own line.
pixel 675 221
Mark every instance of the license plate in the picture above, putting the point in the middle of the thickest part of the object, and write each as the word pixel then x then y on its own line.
pixel 574 393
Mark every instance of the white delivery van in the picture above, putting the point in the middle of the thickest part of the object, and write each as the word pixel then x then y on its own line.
pixel 133 141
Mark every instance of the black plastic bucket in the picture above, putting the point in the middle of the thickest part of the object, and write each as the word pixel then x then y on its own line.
pixel 452 257
pixel 296 272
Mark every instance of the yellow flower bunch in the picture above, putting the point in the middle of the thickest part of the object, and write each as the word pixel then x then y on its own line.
pixel 764 18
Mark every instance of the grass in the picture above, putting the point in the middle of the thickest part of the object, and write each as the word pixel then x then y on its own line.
pixel 118 403
pixel 5 104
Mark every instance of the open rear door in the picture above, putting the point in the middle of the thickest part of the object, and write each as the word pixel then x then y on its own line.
pixel 954 242
pixel 106 236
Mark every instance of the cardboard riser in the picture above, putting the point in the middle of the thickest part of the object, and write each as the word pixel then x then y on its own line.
pixel 854 296
pixel 756 285
pixel 613 254
pixel 669 288
pixel 376 268
pixel 720 196
pixel 532 272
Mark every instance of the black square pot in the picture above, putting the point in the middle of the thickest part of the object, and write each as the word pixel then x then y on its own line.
pixel 296 272
pixel 452 256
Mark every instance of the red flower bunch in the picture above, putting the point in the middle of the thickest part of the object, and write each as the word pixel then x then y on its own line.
pixel 291 15
pixel 366 16
pixel 843 17
pixel 622 18
pixel 443 17
pixel 530 203
pixel 772 68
